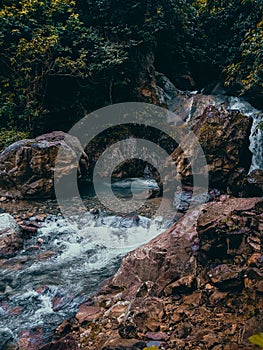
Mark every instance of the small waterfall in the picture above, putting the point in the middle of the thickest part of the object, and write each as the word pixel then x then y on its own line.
pixel 256 135
pixel 187 104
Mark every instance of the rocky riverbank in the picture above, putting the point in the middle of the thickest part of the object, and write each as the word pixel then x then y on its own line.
pixel 198 285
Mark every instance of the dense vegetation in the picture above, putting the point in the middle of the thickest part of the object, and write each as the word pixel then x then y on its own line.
pixel 232 39
pixel 61 58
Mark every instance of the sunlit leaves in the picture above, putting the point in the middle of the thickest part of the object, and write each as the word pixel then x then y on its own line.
pixel 249 70
pixel 67 38
pixel 257 339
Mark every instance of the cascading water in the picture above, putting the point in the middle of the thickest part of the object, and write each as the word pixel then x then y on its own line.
pixel 66 262
pixel 184 105
pixel 61 266
pixel 256 135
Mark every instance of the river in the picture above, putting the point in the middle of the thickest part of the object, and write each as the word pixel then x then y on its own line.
pixel 45 285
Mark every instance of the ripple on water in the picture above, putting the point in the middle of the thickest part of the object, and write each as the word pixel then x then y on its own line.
pixel 85 251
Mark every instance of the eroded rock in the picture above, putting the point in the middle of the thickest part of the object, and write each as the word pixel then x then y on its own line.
pixel 227 277
pixel 224 138
pixel 88 313
pixel 182 298
pixel 10 236
pixel 27 166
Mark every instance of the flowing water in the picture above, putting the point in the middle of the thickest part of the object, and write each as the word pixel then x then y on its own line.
pixel 62 265
pixel 67 261
pixel 256 135
pixel 184 105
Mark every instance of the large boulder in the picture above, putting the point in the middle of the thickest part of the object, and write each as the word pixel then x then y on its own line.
pixel 27 166
pixel 224 138
pixel 254 185
pixel 223 133
pixel 223 233
pixel 10 236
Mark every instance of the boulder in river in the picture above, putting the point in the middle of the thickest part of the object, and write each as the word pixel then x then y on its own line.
pixel 27 166
pixel 224 138
pixel 10 236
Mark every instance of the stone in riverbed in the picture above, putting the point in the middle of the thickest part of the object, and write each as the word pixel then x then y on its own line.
pixel 10 236
pixel 88 313
pixel 27 166
pixel 29 229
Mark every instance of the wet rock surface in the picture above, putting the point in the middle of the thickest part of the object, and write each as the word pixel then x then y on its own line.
pixel 29 299
pixel 199 285
pixel 224 138
pixel 27 166
pixel 254 184
pixel 171 296
pixel 10 236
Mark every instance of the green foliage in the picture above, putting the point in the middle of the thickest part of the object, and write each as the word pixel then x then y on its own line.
pixel 257 339
pixel 59 39
pixel 153 347
pixel 248 70
pixel 40 39
pixel 7 137
pixel 57 56
pixel 230 36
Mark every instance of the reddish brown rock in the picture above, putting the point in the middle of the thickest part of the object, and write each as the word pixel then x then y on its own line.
pixel 116 342
pixel 27 166
pixel 217 297
pixel 29 229
pixel 183 285
pixel 156 335
pixel 45 255
pixel 255 259
pixel 88 313
pixel 10 236
pixel 224 138
pixel 134 308
pixel 14 311
pixel 227 277
pixel 147 313
pixel 117 311
pixel 31 340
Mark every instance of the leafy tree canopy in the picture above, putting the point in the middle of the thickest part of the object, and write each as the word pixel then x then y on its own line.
pixel 230 35
pixel 68 38
pixel 45 44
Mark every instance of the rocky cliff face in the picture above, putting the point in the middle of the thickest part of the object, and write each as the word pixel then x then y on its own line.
pixel 198 285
